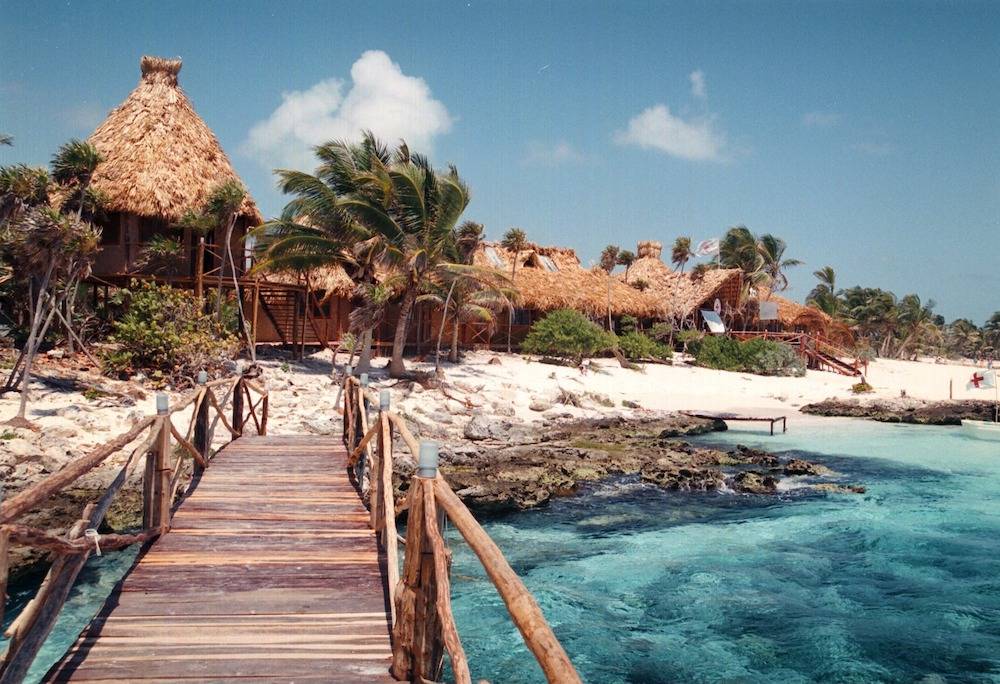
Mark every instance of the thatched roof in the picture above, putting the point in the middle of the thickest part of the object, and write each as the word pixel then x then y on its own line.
pixel 681 294
pixel 794 315
pixel 160 158
pixel 550 278
pixel 331 280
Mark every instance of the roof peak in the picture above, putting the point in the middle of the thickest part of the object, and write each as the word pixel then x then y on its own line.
pixel 159 69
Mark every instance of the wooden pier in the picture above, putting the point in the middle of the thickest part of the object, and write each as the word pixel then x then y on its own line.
pixel 271 567
pixel 726 417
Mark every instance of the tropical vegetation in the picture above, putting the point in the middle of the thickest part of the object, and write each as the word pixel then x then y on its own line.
pixel 567 334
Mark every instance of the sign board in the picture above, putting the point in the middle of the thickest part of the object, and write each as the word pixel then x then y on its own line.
pixel 768 311
pixel 714 322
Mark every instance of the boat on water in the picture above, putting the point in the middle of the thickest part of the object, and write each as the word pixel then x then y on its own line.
pixel 982 429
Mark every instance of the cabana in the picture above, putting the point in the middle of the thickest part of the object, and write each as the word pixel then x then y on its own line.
pixel 682 297
pixel 161 161
pixel 550 278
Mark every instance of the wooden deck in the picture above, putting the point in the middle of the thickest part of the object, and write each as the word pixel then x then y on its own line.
pixel 270 572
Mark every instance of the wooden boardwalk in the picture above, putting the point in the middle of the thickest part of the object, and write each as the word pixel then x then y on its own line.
pixel 270 572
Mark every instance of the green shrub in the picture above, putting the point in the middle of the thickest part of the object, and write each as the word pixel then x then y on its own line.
pixel 690 340
pixel 862 387
pixel 567 334
pixel 628 324
pixel 635 345
pixel 759 356
pixel 165 331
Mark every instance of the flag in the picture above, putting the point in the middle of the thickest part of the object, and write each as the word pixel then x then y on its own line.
pixel 982 380
pixel 707 247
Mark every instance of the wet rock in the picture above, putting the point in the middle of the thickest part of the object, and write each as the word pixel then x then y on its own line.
pixel 628 403
pixel 745 454
pixel 798 466
pixel 753 482
pixel 832 488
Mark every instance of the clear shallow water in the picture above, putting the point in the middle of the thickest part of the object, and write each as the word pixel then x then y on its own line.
pixel 94 585
pixel 900 584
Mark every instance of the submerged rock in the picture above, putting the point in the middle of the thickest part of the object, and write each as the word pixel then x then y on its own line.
pixel 753 482
pixel 798 466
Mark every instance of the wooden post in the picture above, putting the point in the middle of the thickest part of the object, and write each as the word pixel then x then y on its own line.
pixel 4 568
pixel 238 405
pixel 263 416
pixel 199 269
pixel 256 311
pixel 418 651
pixel 201 441
pixel 295 326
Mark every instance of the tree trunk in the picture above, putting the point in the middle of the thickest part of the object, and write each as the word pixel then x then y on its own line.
pixel 453 354
pixel 610 327
pixel 444 319
pixel 34 340
pixel 365 353
pixel 222 267
pixel 397 368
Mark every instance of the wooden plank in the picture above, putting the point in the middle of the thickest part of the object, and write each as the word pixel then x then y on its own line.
pixel 270 572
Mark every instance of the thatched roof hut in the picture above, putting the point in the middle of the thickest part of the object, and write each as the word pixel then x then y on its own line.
pixel 160 159
pixel 333 281
pixel 804 318
pixel 550 278
pixel 681 294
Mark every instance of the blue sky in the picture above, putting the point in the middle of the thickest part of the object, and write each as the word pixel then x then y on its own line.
pixel 865 134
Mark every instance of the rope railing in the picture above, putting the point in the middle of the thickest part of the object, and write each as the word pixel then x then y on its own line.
pixel 165 450
pixel 423 625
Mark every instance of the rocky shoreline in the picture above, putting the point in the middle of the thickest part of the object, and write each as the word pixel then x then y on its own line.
pixel 905 410
pixel 529 468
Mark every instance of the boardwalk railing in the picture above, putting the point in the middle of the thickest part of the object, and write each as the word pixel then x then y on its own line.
pixel 164 450
pixel 423 627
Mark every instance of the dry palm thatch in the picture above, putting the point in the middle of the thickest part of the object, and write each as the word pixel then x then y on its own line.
pixel 681 294
pixel 332 280
pixel 550 278
pixel 795 316
pixel 160 158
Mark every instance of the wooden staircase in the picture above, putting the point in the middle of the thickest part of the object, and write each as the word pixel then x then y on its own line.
pixel 818 352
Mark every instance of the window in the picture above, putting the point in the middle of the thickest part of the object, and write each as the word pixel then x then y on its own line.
pixel 493 258
pixel 111 230
pixel 151 227
pixel 522 316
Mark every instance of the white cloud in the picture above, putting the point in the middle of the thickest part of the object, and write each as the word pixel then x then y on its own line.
pixel 656 128
pixel 381 98
pixel 820 119
pixel 541 154
pixel 698 87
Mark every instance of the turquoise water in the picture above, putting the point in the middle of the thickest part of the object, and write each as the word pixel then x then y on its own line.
pixel 94 585
pixel 901 584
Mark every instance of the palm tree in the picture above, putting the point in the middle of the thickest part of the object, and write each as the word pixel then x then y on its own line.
pixel 22 187
pixel 73 167
pixel 608 261
pixel 772 251
pixel 514 240
pixel 681 252
pixel 626 259
pixel 824 295
pixel 739 249
pixel 991 330
pixel 6 140
pixel 413 210
pixel 918 323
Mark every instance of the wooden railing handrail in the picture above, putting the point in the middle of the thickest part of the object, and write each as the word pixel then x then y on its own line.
pixel 423 627
pixel 161 481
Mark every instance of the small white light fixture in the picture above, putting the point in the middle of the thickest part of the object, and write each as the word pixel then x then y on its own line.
pixel 427 463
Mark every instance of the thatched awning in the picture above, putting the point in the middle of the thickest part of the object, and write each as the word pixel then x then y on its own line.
pixel 550 278
pixel 683 294
pixel 160 159
pixel 331 280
